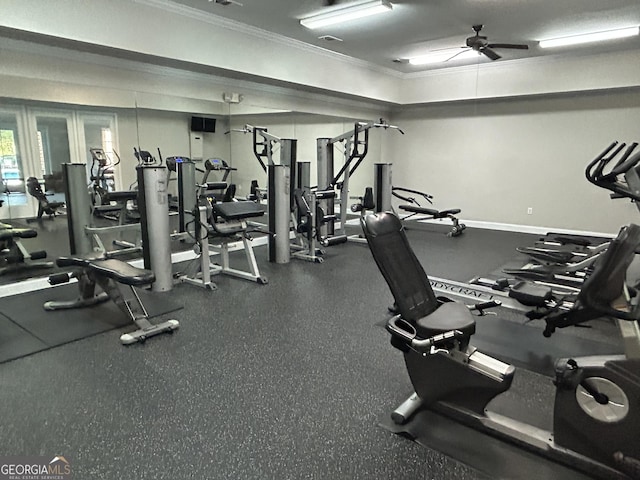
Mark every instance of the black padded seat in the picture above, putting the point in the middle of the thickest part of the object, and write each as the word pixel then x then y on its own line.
pixel 238 210
pixel 112 268
pixel 8 233
pixel 430 211
pixel 217 185
pixel 448 316
pixel 122 195
pixel 107 208
pixel 530 294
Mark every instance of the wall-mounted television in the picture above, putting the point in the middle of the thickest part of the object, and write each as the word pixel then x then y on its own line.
pixel 202 124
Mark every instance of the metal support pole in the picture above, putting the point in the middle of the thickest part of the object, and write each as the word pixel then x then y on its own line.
pixel 187 198
pixel 78 212
pixel 382 186
pixel 153 202
pixel 279 212
pixel 325 177
pixel 288 158
pixel 303 175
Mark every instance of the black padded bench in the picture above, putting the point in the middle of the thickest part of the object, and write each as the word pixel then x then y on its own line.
pixel 112 268
pixel 414 208
pixel 434 214
pixel 238 210
pixel 430 211
pixel 122 196
pixel 14 255
pixel 110 275
pixel 8 232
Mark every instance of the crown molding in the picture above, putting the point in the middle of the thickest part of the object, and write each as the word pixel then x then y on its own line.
pixel 241 85
pixel 221 22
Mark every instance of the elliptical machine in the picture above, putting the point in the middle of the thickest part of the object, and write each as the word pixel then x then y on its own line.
pixel 597 402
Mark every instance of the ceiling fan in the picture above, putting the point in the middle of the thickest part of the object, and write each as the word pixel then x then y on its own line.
pixel 226 2
pixel 481 45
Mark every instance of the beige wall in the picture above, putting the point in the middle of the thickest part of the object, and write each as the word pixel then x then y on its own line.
pixel 496 159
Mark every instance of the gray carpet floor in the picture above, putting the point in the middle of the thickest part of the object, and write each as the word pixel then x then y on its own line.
pixel 282 381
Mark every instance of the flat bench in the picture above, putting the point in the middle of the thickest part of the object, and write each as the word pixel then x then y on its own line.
pixel 111 268
pixel 430 211
pixel 451 213
pixel 110 274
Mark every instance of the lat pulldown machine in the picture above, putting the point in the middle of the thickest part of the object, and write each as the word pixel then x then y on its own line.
pixel 356 147
pixel 280 177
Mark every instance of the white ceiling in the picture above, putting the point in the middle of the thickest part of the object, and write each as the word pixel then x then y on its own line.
pixel 415 27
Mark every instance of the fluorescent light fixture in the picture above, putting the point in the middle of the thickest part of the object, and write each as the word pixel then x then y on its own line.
pixel 590 37
pixel 353 12
pixel 439 56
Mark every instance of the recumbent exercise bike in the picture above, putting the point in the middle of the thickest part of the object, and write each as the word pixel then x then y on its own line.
pixel 597 402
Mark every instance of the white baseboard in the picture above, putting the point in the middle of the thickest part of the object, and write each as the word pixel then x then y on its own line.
pixel 511 227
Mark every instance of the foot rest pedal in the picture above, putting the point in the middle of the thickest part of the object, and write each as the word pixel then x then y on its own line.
pixel 530 295
pixel 59 278
pixel 39 255
pixel 329 241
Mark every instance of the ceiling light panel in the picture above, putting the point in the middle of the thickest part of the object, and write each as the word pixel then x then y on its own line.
pixel 360 10
pixel 589 37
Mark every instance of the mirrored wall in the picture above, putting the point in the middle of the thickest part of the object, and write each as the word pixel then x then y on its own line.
pixel 36 138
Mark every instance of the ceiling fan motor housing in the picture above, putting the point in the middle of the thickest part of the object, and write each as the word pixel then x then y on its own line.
pixel 477 42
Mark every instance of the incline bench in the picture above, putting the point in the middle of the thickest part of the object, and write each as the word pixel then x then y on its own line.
pixel 110 275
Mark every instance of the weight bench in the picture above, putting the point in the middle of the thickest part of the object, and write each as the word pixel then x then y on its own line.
pixel 226 222
pixel 121 199
pixel 414 208
pixel 111 275
pixel 14 255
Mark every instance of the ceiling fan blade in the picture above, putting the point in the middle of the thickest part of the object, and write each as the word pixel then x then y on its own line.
pixel 462 50
pixel 490 53
pixel 509 45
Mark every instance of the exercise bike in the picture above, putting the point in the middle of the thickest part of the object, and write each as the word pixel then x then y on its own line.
pixel 597 402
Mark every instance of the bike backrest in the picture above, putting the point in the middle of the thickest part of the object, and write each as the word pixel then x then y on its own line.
pixel 34 188
pixel 407 280
pixel 606 283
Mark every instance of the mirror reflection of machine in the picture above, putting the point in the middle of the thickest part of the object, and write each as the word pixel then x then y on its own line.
pixel 101 174
pixel 221 190
pixel 105 200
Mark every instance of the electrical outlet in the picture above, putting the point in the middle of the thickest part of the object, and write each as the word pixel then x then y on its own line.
pixel 530 211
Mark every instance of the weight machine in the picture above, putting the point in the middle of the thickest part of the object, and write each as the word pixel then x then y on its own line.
pixel 356 146
pixel 280 177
